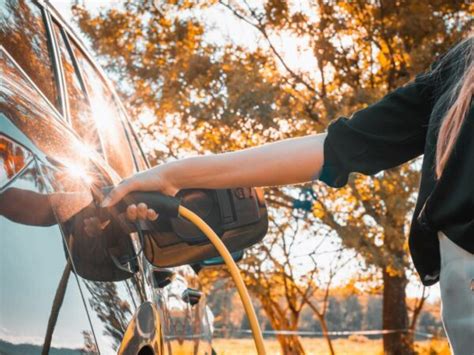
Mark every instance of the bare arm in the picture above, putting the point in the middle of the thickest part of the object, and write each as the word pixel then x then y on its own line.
pixel 285 162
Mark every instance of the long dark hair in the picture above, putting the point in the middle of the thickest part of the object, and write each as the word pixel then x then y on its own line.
pixel 460 96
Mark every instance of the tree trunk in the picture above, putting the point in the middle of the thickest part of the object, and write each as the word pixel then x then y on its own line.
pixel 324 327
pixel 290 344
pixel 395 316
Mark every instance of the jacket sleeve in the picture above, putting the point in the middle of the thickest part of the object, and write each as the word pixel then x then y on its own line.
pixel 384 135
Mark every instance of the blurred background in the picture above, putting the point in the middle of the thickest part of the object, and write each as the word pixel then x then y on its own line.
pixel 201 77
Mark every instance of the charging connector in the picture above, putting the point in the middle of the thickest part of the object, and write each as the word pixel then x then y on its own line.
pixel 171 207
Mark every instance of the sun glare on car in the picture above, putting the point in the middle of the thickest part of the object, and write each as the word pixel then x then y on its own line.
pixel 79 172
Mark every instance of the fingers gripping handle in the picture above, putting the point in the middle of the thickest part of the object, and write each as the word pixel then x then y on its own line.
pixel 164 205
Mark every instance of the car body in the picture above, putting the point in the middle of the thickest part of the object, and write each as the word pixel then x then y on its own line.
pixel 68 284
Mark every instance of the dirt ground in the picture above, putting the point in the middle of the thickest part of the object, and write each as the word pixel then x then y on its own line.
pixel 318 346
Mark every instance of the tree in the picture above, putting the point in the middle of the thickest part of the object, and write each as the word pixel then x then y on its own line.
pixel 285 277
pixel 226 97
pixel 365 49
pixel 273 272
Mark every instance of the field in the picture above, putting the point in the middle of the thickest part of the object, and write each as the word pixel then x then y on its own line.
pixel 318 346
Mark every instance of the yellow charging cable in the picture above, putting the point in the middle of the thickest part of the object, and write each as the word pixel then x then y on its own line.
pixel 234 272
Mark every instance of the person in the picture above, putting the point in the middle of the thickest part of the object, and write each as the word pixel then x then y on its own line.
pixel 431 115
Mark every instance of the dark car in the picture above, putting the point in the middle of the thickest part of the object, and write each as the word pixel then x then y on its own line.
pixel 71 282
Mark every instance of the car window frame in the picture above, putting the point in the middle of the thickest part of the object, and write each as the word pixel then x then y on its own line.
pixel 59 65
pixel 56 61
pixel 54 16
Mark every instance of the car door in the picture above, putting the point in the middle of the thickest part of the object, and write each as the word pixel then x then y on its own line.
pixel 35 275
pixel 92 99
pixel 51 212
pixel 41 308
pixel 115 303
pixel 113 298
pixel 181 327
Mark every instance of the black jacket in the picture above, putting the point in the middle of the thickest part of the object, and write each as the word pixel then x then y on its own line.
pixel 401 126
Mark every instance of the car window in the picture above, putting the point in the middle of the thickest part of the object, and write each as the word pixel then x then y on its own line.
pixel 23 34
pixel 108 117
pixel 80 113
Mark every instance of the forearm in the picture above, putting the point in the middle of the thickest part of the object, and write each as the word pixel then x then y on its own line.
pixel 285 162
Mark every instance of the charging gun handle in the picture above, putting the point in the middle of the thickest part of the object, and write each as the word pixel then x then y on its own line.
pixel 164 205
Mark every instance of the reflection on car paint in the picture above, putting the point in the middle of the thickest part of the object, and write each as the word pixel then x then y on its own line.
pixel 143 330
pixel 26 109
pixel 111 304
pixel 69 198
pixel 59 287
pixel 106 117
pixel 79 109
pixel 23 34
pixel 35 275
pixel 186 328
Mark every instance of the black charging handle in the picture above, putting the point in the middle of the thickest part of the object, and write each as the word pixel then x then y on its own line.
pixel 224 210
pixel 163 204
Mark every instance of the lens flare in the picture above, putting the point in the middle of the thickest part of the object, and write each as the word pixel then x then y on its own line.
pixel 78 171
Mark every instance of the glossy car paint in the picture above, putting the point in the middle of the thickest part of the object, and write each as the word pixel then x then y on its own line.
pixel 60 290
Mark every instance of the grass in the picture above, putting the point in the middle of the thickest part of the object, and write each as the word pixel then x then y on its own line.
pixel 318 346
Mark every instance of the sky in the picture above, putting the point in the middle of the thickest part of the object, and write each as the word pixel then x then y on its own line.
pixel 226 27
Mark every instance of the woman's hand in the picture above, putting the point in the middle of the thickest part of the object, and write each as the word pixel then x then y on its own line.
pixel 140 211
pixel 154 179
